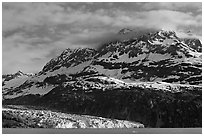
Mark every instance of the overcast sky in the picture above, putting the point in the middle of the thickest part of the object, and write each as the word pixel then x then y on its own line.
pixel 33 33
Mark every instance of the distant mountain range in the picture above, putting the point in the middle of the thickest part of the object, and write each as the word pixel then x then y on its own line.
pixel 153 77
pixel 18 74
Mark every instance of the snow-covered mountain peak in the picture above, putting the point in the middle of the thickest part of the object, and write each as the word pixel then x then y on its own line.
pixel 69 57
pixel 167 33
pixel 15 78
pixel 154 56
pixel 19 73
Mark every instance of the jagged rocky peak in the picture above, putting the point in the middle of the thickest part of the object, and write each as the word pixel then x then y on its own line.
pixel 140 38
pixel 158 34
pixel 20 73
pixel 166 33
pixel 66 53
pixel 69 57
pixel 146 34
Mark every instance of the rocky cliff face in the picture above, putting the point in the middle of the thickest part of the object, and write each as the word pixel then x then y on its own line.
pixel 154 78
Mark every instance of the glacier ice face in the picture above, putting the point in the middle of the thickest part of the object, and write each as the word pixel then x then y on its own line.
pixel 50 119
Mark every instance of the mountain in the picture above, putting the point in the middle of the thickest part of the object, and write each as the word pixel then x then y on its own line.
pixel 168 57
pixel 152 57
pixel 19 74
pixel 10 81
pixel 12 76
pixel 153 78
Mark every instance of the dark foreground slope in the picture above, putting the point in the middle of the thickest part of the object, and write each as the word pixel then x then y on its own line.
pixel 153 104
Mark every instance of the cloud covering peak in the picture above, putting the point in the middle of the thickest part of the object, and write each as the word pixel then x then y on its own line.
pixel 36 32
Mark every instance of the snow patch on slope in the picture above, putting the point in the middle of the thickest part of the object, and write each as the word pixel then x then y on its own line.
pixel 32 90
pixel 15 82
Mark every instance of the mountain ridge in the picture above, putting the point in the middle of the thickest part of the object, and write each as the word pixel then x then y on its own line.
pixel 152 72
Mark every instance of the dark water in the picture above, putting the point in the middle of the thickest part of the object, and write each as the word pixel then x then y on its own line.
pixel 105 131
